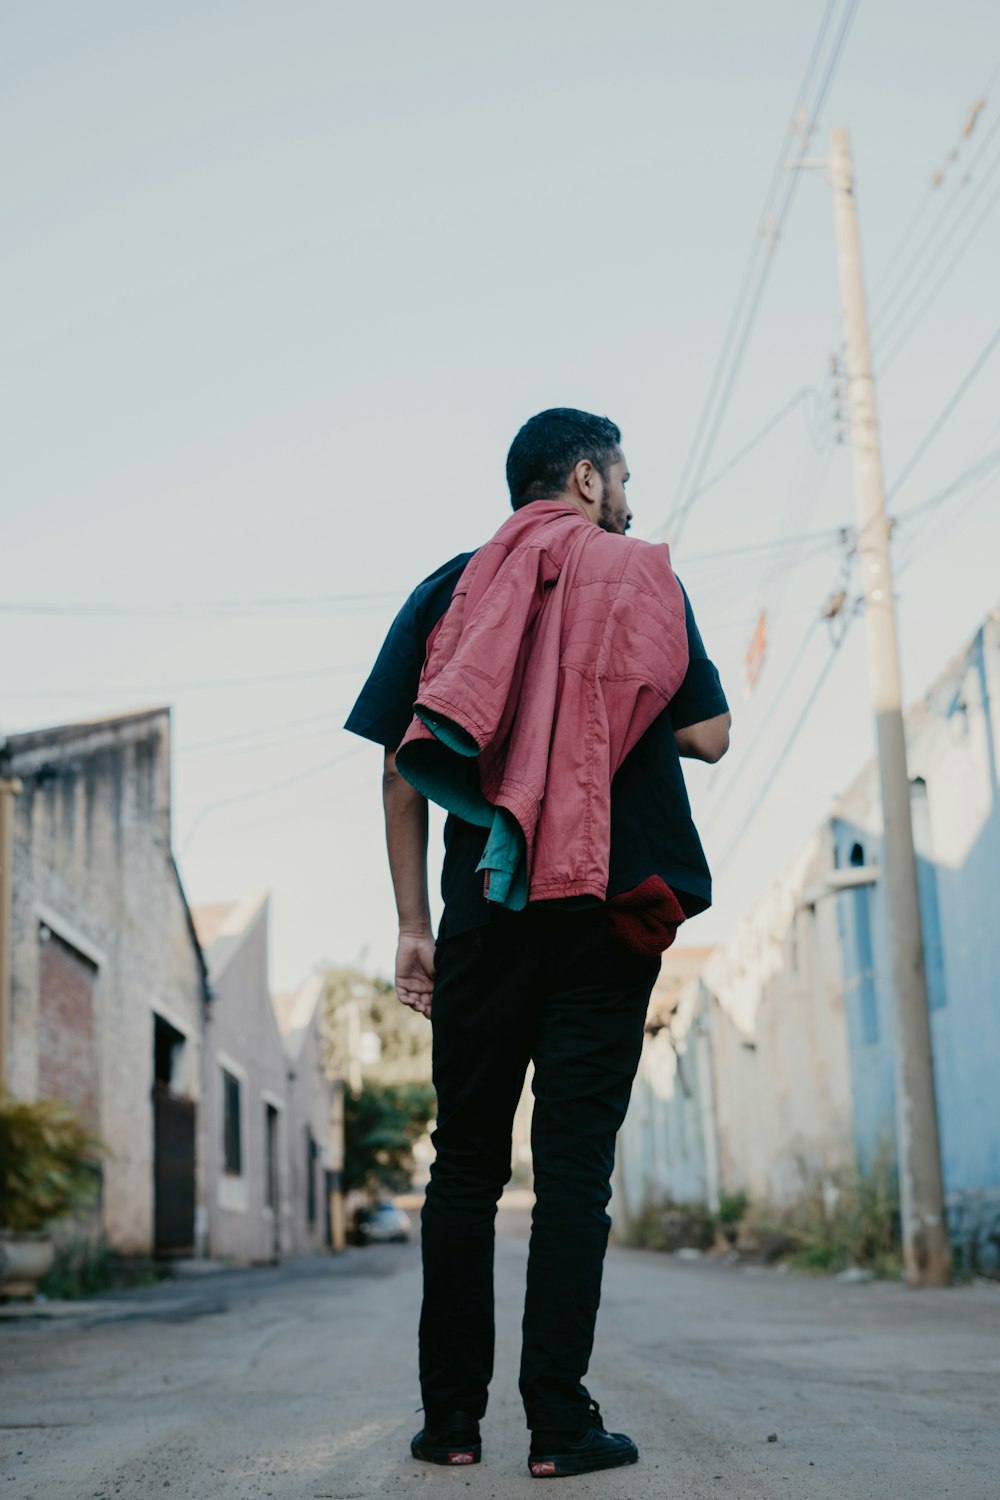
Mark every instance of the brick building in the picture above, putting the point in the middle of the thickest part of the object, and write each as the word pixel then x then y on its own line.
pixel 108 986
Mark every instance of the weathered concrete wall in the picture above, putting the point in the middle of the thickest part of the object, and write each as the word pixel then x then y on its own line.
pixel 309 1107
pixel 800 1018
pixel 952 742
pixel 92 866
pixel 782 1076
pixel 668 1146
pixel 242 1036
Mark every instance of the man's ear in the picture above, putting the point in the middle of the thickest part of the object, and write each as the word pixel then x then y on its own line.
pixel 585 477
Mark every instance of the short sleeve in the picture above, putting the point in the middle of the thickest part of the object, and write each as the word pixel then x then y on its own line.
pixel 700 695
pixel 384 706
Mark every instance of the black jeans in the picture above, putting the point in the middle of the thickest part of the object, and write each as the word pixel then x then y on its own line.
pixel 562 995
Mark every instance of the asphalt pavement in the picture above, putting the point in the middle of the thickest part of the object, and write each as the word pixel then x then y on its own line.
pixel 299 1383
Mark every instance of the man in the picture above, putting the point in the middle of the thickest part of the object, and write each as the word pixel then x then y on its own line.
pixel 542 985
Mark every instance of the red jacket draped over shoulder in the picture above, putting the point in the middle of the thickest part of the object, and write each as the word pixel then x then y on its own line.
pixel 560 647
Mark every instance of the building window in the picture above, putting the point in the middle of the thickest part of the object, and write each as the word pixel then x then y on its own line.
pixel 864 952
pixel 270 1156
pixel 311 1154
pixel 168 1053
pixel 231 1142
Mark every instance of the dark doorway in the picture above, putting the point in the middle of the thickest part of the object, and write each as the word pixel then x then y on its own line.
pixel 173 1146
pixel 271 1187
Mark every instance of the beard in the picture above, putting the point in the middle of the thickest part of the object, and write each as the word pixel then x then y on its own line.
pixel 609 520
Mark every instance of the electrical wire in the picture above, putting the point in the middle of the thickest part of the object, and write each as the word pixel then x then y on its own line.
pixel 266 791
pixel 943 416
pixel 881 306
pixel 982 468
pixel 231 609
pixel 937 179
pixel 275 742
pixel 201 685
pixel 748 754
pixel 755 549
pixel 887 360
pixel 780 759
pixel 250 734
pixel 744 315
pixel 764 431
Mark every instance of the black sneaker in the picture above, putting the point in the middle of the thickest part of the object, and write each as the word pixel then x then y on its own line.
pixel 453 1441
pixel 594 1449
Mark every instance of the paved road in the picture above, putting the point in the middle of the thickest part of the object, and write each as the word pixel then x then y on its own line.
pixel 298 1384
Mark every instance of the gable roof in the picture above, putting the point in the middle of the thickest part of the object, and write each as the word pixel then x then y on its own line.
pixel 294 1011
pixel 226 926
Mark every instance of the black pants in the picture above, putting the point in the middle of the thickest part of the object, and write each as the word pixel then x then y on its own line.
pixel 562 995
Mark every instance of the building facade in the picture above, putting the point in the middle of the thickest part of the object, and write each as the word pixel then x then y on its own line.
pixel 108 987
pixel 789 1028
pixel 310 1108
pixel 245 1088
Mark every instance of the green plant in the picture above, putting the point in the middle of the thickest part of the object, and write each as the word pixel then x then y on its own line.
pixel 84 1268
pixel 380 1127
pixel 849 1218
pixel 665 1225
pixel 732 1209
pixel 48 1162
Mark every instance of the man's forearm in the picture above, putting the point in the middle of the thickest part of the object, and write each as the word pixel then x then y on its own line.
pixel 406 840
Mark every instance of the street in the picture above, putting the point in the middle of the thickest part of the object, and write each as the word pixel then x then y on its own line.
pixel 298 1383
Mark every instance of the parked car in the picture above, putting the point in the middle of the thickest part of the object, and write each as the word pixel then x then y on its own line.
pixel 383 1224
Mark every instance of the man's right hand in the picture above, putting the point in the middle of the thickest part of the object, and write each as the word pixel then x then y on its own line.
pixel 415 970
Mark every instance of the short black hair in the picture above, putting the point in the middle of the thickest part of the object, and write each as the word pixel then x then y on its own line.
pixel 550 445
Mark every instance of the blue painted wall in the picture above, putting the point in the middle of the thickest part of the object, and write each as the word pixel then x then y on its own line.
pixel 960 908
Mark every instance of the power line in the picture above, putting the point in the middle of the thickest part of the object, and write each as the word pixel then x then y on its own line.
pixel 755 549
pixel 200 685
pixel 793 178
pixel 265 791
pixel 223 609
pixel 274 742
pixel 899 284
pixel 743 317
pixel 773 421
pixel 982 468
pixel 779 760
pixel 943 416
pixel 978 475
pixel 251 734
pixel 937 179
pixel 736 587
pixel 932 295
pixel 747 756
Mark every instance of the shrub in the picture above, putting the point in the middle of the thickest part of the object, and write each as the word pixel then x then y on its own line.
pixel 380 1127
pixel 48 1162
pixel 671 1226
pixel 84 1268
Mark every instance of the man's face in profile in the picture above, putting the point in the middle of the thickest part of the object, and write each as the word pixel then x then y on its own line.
pixel 614 514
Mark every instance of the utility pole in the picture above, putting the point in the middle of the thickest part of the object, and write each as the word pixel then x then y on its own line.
pixel 925 1237
pixel 9 789
pixel 341 1087
pixel 338 1217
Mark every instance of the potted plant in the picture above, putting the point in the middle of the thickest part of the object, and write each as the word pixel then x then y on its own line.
pixel 48 1168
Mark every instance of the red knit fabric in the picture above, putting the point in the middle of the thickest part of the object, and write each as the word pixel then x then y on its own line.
pixel 645 919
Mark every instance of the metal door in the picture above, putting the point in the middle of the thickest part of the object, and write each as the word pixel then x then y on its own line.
pixel 173 1171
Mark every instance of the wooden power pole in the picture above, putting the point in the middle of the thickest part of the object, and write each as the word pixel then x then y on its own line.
pixel 925 1238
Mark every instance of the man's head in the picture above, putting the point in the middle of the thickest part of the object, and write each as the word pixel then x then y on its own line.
pixel 563 454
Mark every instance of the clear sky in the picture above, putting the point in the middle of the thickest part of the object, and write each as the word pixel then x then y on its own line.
pixel 279 284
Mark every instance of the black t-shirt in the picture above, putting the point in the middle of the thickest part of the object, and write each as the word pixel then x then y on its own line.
pixel 652 831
